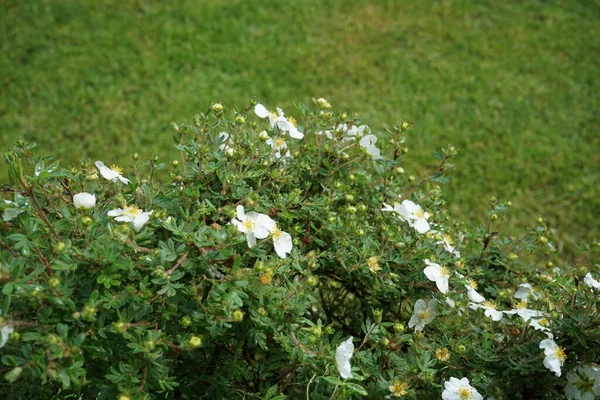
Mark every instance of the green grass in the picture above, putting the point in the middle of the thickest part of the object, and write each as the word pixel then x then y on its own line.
pixel 514 85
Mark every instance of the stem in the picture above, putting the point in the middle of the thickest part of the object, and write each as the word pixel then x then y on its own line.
pixel 41 214
pixel 179 262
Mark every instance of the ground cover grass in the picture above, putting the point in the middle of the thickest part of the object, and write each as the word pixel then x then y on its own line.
pixel 513 85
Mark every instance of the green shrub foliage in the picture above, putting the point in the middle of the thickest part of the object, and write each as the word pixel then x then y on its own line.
pixel 283 259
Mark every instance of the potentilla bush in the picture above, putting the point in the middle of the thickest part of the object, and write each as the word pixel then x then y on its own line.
pixel 284 258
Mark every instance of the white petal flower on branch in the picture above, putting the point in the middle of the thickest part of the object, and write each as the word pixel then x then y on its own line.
pixel 84 200
pixel 460 389
pixel 412 213
pixel 254 225
pixel 278 145
pixel 438 274
pixel 591 282
pixel 343 354
pixel 448 243
pixel 472 293
pixel 11 211
pixel 555 355
pixel 6 331
pixel 278 119
pixel 226 143
pixel 131 214
pixel 282 241
pixel 368 144
pixel 113 173
pixel 524 291
pixel 489 308
pixel 423 314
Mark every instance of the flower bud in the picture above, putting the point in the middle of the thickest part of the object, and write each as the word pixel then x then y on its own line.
pixel 53 282
pixel 185 321
pixel 149 345
pixel 13 375
pixel 195 342
pixel 261 311
pixel 237 316
pixel 59 246
pixel 398 327
pixel 84 200
pixel 239 119
pixel 175 163
pixel 384 341
pixel 217 108
pixel 263 135
pixel 124 397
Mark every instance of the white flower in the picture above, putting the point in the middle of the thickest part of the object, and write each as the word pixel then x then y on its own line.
pixel 555 355
pixel 282 241
pixel 263 135
pixel 131 214
pixel 84 200
pixel 278 119
pixel 368 144
pixel 524 291
pixel 343 354
pixel 327 134
pixel 278 144
pixel 423 314
pixel 354 132
pixel 112 174
pixel 438 274
pixel 460 389
pixel 411 213
pixel 535 318
pixel 490 310
pixel 10 213
pixel 591 282
pixel 448 245
pixel 583 383
pixel 6 331
pixel 254 225
pixel 226 143
pixel 472 294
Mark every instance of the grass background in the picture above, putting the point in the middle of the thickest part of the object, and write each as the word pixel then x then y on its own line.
pixel 513 85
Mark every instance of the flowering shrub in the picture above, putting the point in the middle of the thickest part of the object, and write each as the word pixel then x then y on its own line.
pixel 284 259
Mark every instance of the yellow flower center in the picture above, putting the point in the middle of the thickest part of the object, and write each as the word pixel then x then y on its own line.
pixel 293 121
pixel 442 354
pixel 560 354
pixel 279 142
pixel 490 304
pixel 399 388
pixel 276 232
pixel 248 224
pixel 420 214
pixel 448 239
pixel 472 284
pixel 424 315
pixel 465 393
pixel 132 211
pixel 444 271
pixel 373 263
pixel 116 169
pixel 544 322
pixel 522 304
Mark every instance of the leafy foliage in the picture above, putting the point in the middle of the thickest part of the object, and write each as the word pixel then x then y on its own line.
pixel 185 307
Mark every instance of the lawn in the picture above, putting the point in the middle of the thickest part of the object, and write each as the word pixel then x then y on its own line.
pixel 513 85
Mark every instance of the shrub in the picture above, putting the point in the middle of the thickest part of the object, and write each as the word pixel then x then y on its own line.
pixel 279 262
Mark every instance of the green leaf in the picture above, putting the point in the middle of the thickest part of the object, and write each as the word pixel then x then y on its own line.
pixel 333 380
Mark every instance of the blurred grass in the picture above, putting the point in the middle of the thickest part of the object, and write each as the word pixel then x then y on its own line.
pixel 514 85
